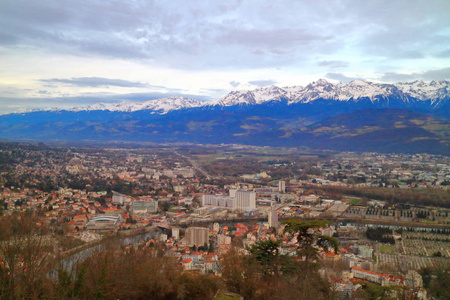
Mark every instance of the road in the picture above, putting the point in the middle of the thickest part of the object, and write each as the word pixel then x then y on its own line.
pixel 194 164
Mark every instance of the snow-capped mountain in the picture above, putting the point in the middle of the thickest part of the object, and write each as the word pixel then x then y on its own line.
pixel 434 91
pixel 257 96
pixel 163 105
pixel 363 116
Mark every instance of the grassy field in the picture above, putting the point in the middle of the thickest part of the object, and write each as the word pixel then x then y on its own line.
pixel 386 248
pixel 354 200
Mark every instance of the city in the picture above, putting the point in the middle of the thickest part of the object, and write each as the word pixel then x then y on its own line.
pixel 372 218
pixel 225 150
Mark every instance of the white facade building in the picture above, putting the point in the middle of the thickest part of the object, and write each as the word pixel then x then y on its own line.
pixel 245 199
pixel 282 186
pixel 273 217
pixel 176 233
pixel 197 236
pixel 144 207
pixel 217 200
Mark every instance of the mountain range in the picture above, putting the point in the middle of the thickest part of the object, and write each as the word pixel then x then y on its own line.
pixel 360 116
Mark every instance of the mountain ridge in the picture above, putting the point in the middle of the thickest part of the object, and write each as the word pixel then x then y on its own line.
pixel 319 115
pixel 418 93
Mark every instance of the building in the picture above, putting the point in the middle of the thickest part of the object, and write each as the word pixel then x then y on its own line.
pixel 104 222
pixel 217 200
pixel 232 192
pixel 176 233
pixel 273 217
pixel 179 172
pixel 223 239
pixel 119 198
pixel 144 207
pixel 413 279
pixel 197 236
pixel 380 278
pixel 309 198
pixel 282 186
pixel 251 212
pixel 245 199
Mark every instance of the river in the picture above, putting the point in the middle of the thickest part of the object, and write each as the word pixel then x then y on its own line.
pixel 71 260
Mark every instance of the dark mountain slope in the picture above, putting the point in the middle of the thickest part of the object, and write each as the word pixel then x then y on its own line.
pixel 274 124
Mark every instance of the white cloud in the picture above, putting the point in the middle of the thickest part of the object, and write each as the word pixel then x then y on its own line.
pixel 199 47
pixel 262 83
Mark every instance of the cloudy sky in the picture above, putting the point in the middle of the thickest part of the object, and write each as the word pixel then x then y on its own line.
pixel 78 52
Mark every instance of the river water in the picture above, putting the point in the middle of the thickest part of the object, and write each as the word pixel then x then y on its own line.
pixel 69 262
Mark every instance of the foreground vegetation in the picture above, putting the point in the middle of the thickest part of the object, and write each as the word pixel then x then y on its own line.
pixel 31 269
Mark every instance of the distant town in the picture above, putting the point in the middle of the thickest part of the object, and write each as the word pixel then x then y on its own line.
pixel 389 213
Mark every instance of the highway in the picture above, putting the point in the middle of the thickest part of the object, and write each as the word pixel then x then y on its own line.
pixel 194 164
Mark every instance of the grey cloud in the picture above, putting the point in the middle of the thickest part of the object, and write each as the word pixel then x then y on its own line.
pixel 136 97
pixel 437 74
pixel 44 92
pixel 333 64
pixel 262 83
pixel 399 32
pixel 341 77
pixel 7 39
pixel 10 105
pixel 234 83
pixel 238 34
pixel 428 75
pixel 185 35
pixel 443 54
pixel 272 38
pixel 96 82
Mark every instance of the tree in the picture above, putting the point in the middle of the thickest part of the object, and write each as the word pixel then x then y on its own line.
pixel 308 239
pixel 25 255
pixel 328 242
pixel 266 253
pixel 375 291
pixel 436 280
pixel 437 254
pixel 266 274
pixel 211 247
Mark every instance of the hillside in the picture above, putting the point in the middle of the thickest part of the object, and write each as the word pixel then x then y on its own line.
pixel 359 116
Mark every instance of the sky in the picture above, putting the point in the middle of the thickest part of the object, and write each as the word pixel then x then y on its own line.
pixel 69 53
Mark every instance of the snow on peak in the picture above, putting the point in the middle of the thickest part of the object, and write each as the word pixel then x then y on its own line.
pixel 257 96
pixel 163 105
pixel 434 91
pixel 322 89
pixel 234 98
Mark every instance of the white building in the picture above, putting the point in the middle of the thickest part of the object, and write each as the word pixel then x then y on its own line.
pixel 197 236
pixel 217 200
pixel 245 199
pixel 142 207
pixel 223 239
pixel 176 233
pixel 120 198
pixel 273 217
pixel 282 186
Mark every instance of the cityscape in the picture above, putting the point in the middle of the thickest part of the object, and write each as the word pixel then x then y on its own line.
pixel 376 218
pixel 224 150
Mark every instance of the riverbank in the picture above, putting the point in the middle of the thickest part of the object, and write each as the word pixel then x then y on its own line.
pixel 118 234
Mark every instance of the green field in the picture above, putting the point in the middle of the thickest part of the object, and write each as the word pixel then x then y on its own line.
pixel 354 200
pixel 386 248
